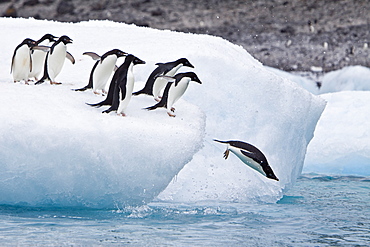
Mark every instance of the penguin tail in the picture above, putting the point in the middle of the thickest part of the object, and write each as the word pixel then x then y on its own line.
pixel 108 110
pixel 142 91
pixel 137 93
pixel 150 108
pixel 42 80
pixel 82 89
pixel 220 141
pixel 97 105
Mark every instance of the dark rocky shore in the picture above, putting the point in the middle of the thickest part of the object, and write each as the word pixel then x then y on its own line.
pixel 292 35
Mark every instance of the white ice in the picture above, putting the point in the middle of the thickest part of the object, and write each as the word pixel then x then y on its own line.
pixel 341 143
pixel 55 150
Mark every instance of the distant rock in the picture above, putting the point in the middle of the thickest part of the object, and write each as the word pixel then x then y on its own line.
pixel 291 35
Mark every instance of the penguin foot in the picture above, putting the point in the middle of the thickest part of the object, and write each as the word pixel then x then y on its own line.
pixel 171 114
pixel 55 83
pixel 121 114
pixel 173 109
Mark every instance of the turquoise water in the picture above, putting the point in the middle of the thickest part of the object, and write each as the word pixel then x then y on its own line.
pixel 318 211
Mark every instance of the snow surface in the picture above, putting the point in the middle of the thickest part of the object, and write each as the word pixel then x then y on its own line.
pixel 55 150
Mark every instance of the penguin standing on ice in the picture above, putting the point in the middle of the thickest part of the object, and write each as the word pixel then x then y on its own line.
pixel 251 156
pixel 102 69
pixel 175 88
pixel 21 60
pixel 155 83
pixel 54 60
pixel 123 85
pixel 38 56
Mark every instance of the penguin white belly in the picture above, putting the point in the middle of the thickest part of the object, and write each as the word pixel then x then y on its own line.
pixel 38 59
pixel 102 72
pixel 176 92
pixel 129 89
pixel 21 64
pixel 56 61
pixel 160 83
pixel 246 160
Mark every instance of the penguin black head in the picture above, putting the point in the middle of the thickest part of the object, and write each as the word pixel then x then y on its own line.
pixel 117 52
pixel 192 76
pixel 48 36
pixel 137 60
pixel 29 42
pixel 185 62
pixel 65 39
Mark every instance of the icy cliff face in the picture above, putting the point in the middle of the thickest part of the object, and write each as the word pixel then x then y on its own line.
pixel 57 150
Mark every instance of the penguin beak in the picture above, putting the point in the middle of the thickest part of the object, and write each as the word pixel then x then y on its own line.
pixel 190 65
pixel 226 154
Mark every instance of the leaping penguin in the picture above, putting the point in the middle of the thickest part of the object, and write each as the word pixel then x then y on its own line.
pixel 38 56
pixel 251 156
pixel 155 83
pixel 175 88
pixel 54 60
pixel 102 69
pixel 21 60
pixel 121 86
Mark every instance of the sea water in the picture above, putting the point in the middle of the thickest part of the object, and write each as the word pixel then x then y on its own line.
pixel 318 211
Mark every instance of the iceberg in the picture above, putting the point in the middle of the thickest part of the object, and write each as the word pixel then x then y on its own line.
pixel 341 145
pixel 351 78
pixel 56 150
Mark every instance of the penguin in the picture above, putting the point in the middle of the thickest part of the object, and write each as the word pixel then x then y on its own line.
pixel 38 56
pixel 123 85
pixel 155 83
pixel 21 61
pixel 54 60
pixel 101 70
pixel 251 156
pixel 174 90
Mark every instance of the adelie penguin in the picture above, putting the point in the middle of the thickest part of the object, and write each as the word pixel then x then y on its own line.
pixel 121 87
pixel 38 56
pixel 54 60
pixel 175 88
pixel 251 156
pixel 102 69
pixel 21 61
pixel 156 83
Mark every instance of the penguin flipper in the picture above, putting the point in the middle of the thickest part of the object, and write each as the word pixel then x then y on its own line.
pixel 11 67
pixel 70 57
pixel 93 55
pixel 41 48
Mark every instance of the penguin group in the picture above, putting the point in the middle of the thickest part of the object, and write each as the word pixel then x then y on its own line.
pixel 163 83
pixel 46 56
